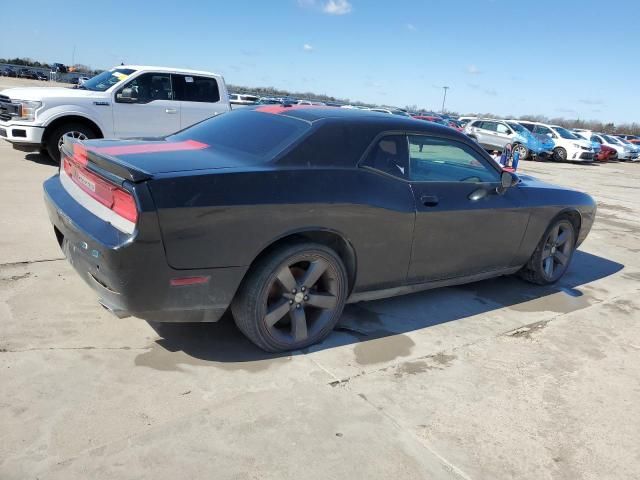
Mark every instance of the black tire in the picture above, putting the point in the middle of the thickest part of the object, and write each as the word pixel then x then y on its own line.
pixel 53 138
pixel 523 151
pixel 559 154
pixel 556 254
pixel 277 311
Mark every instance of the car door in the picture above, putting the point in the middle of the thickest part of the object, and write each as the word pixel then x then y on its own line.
pixel 145 107
pixel 489 134
pixel 463 226
pixel 199 98
pixel 504 135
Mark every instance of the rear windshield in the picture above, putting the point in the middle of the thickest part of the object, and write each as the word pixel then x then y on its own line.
pixel 256 134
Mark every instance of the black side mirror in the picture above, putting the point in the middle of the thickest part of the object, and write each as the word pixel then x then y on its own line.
pixel 507 180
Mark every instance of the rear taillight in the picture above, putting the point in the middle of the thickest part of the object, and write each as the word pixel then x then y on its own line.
pixel 118 200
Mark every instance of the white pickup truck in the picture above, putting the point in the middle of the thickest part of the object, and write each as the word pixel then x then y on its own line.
pixel 124 102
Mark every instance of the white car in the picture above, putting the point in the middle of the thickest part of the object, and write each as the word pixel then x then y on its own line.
pixel 124 102
pixel 568 145
pixel 635 149
pixel 624 152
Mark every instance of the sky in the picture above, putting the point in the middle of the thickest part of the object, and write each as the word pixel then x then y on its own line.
pixel 559 58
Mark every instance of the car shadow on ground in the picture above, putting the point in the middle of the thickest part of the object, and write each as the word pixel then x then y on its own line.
pixel 40 158
pixel 223 342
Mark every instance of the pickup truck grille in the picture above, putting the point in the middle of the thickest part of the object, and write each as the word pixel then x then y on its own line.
pixel 7 109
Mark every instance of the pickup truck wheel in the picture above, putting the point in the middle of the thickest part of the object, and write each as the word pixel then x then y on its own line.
pixel 57 136
pixel 292 298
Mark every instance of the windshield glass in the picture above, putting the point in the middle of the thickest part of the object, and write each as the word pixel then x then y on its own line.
pixel 270 134
pixel 106 80
pixel 622 140
pixel 518 128
pixel 611 139
pixel 564 133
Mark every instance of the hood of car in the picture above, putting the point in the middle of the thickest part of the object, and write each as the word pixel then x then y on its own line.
pixel 42 93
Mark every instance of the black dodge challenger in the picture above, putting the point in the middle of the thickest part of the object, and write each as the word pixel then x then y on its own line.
pixel 284 214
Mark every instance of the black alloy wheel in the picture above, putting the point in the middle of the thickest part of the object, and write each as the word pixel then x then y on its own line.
pixel 293 298
pixel 559 154
pixel 553 255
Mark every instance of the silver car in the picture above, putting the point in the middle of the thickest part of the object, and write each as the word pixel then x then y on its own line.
pixel 491 134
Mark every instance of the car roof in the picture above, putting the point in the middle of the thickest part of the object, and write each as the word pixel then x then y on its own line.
pixel 384 121
pixel 168 70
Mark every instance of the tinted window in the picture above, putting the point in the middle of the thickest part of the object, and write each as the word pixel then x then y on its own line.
pixel 257 134
pixel 390 156
pixel 149 87
pixel 190 88
pixel 440 160
pixel 528 126
pixel 595 138
pixel 543 130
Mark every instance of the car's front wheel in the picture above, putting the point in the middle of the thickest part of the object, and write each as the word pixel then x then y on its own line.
pixel 552 256
pixel 559 154
pixel 292 298
pixel 55 138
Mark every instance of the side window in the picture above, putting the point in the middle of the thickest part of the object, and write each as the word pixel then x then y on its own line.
pixel 501 128
pixel 440 160
pixel 595 138
pixel 491 126
pixel 390 156
pixel 528 126
pixel 191 88
pixel 146 88
pixel 545 131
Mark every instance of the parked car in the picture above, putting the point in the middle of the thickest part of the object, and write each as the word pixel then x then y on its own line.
pixel 624 152
pixel 635 149
pixel 391 111
pixel 243 99
pixel 124 102
pixel 290 215
pixel 81 80
pixel 269 101
pixel 41 76
pixel 635 139
pixel 568 146
pixel 606 153
pixel 497 134
pixel 9 72
pixel 442 121
pixel 27 73
pixel 464 120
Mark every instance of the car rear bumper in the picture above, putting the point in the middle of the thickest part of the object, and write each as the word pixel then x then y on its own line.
pixel 21 135
pixel 129 273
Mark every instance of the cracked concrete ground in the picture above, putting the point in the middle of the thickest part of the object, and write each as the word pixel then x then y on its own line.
pixel 497 379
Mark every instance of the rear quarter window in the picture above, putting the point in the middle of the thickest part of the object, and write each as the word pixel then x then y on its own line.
pixel 246 133
pixel 192 88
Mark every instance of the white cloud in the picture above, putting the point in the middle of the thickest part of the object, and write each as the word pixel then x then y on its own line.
pixel 411 27
pixel 307 48
pixel 473 70
pixel 337 7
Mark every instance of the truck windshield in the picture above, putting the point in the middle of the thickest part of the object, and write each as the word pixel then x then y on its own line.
pixel 107 79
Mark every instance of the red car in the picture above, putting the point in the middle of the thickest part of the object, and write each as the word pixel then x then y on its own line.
pixel 606 153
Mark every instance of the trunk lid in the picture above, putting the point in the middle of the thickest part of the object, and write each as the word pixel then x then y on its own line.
pixel 141 159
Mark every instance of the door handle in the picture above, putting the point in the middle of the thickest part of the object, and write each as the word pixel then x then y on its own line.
pixel 170 110
pixel 429 200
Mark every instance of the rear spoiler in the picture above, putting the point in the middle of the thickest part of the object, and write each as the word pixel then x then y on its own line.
pixel 108 163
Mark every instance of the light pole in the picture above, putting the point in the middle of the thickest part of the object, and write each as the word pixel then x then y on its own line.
pixel 444 98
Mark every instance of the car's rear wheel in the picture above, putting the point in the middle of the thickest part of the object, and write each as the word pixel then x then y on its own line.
pixel 292 298
pixel 553 254
pixel 559 154
pixel 55 138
